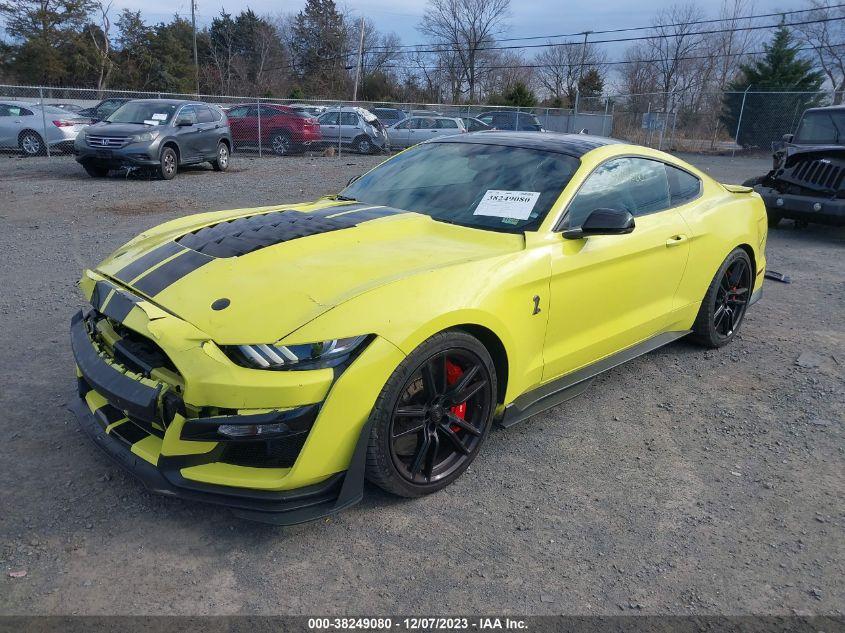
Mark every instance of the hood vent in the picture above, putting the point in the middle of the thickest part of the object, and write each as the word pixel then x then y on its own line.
pixel 245 235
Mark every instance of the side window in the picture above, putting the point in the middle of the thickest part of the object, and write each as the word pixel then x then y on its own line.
pixel 446 124
pixel 204 114
pixel 424 123
pixel 348 118
pixel 329 118
pixel 268 112
pixel 239 112
pixel 407 123
pixel 683 186
pixel 4 110
pixel 216 113
pixel 188 113
pixel 637 185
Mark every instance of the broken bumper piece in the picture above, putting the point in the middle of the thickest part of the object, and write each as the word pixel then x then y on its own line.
pixel 143 424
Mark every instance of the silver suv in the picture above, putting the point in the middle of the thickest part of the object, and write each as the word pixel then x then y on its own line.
pixel 354 127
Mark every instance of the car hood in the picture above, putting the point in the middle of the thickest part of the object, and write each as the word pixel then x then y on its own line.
pixel 120 129
pixel 276 269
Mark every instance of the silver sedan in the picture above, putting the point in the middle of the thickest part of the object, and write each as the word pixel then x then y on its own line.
pixel 417 129
pixel 29 127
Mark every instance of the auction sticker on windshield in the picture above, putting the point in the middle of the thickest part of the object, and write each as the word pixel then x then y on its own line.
pixel 159 116
pixel 507 204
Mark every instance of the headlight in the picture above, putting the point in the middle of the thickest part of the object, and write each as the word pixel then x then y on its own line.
pixel 143 137
pixel 309 356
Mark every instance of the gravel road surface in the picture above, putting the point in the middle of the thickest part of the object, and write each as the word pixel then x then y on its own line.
pixel 687 481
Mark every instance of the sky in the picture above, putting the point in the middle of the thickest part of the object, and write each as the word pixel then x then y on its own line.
pixel 528 17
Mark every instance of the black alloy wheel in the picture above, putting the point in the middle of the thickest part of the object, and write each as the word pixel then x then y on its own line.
pixel 732 298
pixel 433 416
pixel 724 306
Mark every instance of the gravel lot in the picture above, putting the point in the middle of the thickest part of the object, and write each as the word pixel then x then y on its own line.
pixel 687 481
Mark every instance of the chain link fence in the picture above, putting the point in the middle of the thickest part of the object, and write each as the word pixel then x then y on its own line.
pixel 46 120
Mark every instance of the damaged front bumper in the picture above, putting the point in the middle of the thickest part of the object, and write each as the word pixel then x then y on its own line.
pixel 820 209
pixel 168 406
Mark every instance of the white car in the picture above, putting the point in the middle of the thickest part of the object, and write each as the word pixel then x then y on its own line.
pixel 417 129
pixel 28 127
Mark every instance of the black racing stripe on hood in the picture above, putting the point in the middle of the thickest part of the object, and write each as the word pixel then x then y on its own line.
pixel 172 271
pixel 147 261
pixel 118 307
pixel 240 236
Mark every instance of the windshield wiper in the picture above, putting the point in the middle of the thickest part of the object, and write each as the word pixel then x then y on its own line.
pixel 345 198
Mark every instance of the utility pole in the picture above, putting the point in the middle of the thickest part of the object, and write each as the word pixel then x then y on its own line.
pixel 360 61
pixel 196 56
pixel 583 59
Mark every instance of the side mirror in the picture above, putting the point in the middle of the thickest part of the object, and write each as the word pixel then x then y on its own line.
pixel 787 138
pixel 353 179
pixel 184 123
pixel 602 222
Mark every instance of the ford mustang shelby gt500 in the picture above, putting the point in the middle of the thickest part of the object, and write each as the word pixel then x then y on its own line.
pixel 271 359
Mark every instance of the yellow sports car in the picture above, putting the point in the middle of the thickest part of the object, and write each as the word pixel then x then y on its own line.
pixel 271 359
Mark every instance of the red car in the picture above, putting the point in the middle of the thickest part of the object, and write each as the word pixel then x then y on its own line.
pixel 282 129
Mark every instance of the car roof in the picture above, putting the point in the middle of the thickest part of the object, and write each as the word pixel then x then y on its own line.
pixel 572 144
pixel 837 108
pixel 172 101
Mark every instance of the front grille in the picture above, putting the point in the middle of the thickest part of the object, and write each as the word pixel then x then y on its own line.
pixel 821 173
pixel 107 142
pixel 281 453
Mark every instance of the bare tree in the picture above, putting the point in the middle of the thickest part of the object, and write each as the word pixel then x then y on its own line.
pixel 465 28
pixel 559 67
pixel 828 41
pixel 675 38
pixel 102 44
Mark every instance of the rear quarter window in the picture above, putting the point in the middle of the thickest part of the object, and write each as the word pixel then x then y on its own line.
pixel 683 186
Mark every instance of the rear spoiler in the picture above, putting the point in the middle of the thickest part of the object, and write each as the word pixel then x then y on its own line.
pixel 738 188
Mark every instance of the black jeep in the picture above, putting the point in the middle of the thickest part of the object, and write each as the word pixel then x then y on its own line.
pixel 807 181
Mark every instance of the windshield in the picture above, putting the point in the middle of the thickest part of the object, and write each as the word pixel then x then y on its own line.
pixel 821 128
pixel 145 112
pixel 481 186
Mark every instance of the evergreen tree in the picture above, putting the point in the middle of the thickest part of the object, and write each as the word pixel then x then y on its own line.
pixel 48 30
pixel 520 95
pixel 318 47
pixel 767 117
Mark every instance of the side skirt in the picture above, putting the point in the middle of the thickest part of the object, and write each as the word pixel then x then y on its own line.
pixel 571 385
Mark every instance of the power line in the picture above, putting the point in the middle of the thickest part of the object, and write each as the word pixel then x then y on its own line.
pixel 620 39
pixel 613 63
pixel 646 28
pixel 605 41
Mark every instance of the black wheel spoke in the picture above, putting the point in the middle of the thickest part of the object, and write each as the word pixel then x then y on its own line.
pixel 419 457
pixel 470 391
pixel 456 441
pixel 462 384
pixel 432 459
pixel 466 426
pixel 410 411
pixel 415 429
pixel 429 383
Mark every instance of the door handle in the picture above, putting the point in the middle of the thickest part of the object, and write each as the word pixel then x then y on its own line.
pixel 675 240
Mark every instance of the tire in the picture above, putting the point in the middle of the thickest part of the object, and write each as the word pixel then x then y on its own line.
pixel 31 144
pixel 363 145
pixel 725 302
pixel 96 171
pixel 221 163
pixel 774 218
pixel 417 426
pixel 168 164
pixel 281 143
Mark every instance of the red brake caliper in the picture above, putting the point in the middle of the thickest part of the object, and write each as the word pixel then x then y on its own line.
pixel 453 374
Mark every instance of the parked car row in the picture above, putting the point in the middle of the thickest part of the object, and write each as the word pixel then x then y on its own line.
pixel 164 134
